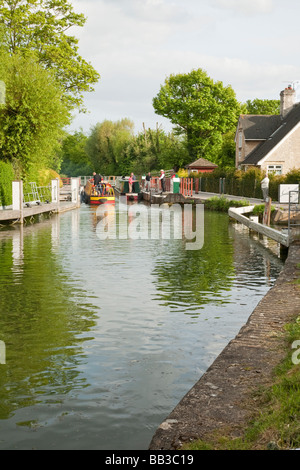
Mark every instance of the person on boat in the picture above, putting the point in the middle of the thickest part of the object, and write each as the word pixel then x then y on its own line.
pixel 162 180
pixel 97 179
pixel 147 182
pixel 130 182
pixel 133 183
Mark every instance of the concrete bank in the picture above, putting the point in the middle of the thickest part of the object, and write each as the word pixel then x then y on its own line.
pixel 222 400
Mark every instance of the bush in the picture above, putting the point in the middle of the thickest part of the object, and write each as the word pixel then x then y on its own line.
pixel 221 204
pixel 6 178
pixel 244 183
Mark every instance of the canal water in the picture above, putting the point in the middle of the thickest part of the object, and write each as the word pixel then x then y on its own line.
pixel 103 337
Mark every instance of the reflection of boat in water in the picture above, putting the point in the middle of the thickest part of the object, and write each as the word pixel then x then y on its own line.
pixel 122 188
pixel 103 194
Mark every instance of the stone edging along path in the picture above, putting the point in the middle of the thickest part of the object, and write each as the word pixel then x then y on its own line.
pixel 222 399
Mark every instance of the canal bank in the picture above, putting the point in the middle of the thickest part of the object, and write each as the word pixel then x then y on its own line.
pixel 222 400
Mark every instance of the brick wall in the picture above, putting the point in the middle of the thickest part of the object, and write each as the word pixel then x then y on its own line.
pixel 286 154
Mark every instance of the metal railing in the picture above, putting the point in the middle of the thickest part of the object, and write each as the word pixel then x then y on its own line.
pixel 294 212
pixel 37 195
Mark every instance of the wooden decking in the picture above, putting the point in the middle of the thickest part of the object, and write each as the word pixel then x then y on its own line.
pixel 16 216
pixel 237 214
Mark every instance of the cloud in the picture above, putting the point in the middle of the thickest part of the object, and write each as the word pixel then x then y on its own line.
pixel 246 7
pixel 153 10
pixel 135 45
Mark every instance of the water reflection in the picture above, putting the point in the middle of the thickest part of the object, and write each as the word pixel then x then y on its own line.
pixel 189 280
pixel 105 335
pixel 40 319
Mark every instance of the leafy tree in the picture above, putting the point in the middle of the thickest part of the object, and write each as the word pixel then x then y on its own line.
pixel 75 161
pixel 106 144
pixel 33 116
pixel 202 109
pixel 41 26
pixel 268 107
pixel 6 178
pixel 226 157
pixel 154 149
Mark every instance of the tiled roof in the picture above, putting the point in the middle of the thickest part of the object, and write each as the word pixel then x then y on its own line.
pixel 259 127
pixel 283 128
pixel 202 163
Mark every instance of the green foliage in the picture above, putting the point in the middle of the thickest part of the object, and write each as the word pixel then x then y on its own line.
pixel 112 148
pixel 41 26
pixel 75 161
pixel 32 119
pixel 268 107
pixel 152 150
pixel 106 144
pixel 244 183
pixel 222 204
pixel 225 158
pixel 6 179
pixel 259 209
pixel 200 108
pixel 293 177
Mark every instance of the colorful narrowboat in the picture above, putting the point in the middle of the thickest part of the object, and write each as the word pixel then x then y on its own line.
pixel 103 194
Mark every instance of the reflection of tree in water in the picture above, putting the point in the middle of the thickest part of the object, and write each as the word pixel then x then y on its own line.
pixel 41 318
pixel 194 278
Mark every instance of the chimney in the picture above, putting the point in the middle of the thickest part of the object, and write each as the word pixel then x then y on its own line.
pixel 287 100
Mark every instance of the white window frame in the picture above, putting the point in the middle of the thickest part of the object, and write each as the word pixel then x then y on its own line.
pixel 275 169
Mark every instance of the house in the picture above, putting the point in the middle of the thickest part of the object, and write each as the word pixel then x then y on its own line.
pixel 202 166
pixel 271 143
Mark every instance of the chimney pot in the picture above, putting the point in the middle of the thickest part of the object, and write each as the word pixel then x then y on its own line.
pixel 287 101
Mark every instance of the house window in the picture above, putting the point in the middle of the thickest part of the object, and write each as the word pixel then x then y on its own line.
pixel 275 169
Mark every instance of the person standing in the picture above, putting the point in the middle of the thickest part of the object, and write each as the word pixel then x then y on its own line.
pixel 162 180
pixel 97 178
pixel 147 182
pixel 265 187
pixel 130 181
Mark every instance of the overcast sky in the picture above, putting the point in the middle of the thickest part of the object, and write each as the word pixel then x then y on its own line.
pixel 252 45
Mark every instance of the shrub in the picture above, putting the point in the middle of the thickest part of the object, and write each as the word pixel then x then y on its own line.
pixel 245 183
pixel 221 204
pixel 6 177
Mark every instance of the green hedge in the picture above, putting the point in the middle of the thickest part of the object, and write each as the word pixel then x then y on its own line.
pixel 6 178
pixel 244 183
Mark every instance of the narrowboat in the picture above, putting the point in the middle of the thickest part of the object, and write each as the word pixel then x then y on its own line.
pixel 123 190
pixel 103 194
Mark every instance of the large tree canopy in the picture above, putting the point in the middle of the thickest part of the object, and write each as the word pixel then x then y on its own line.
pixel 106 144
pixel 201 108
pixel 42 26
pixel 258 106
pixel 33 115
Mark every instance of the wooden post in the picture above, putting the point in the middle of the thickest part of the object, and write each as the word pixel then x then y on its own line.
pixel 267 212
pixel 55 192
pixel 75 191
pixel 17 197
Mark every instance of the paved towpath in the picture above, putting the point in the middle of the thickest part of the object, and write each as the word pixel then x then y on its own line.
pixel 204 196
